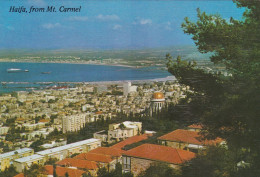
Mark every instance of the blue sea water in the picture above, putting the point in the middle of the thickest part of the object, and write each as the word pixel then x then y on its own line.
pixel 61 72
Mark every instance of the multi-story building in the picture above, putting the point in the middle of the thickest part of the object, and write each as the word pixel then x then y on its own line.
pixel 7 158
pixel 26 162
pixel 73 123
pixel 67 150
pixel 140 158
pixel 123 130
pixel 128 88
pixel 60 153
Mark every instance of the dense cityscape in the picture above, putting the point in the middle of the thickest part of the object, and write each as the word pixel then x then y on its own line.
pixel 130 89
pixel 47 115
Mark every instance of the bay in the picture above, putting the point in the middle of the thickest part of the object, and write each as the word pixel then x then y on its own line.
pixel 63 72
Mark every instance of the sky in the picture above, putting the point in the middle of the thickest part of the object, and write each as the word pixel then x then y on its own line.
pixel 104 24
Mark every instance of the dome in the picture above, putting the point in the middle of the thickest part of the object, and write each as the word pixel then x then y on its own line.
pixel 158 95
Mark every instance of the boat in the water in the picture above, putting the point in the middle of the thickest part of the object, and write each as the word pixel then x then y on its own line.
pixel 46 72
pixel 16 70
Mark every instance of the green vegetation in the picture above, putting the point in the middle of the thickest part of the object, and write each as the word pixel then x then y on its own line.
pixel 9 172
pixel 159 170
pixel 51 161
pixel 228 107
pixel 34 171
pixel 161 122
pixel 117 172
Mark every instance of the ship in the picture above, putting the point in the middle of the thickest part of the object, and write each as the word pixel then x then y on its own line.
pixel 46 72
pixel 16 70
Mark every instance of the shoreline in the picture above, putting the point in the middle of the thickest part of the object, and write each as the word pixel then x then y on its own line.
pixel 161 79
pixel 81 63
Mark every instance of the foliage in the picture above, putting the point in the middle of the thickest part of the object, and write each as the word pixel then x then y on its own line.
pixel 159 170
pixel 36 145
pixel 51 161
pixel 9 172
pixel 122 126
pixel 34 171
pixel 230 104
pixel 117 172
pixel 214 162
pixel 159 123
pixel 66 174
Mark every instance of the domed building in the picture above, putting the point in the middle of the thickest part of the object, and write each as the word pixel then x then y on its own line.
pixel 157 102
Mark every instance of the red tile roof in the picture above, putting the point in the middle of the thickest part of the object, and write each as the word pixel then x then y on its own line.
pixel 197 126
pixel 107 151
pixel 19 175
pixel 131 140
pixel 43 120
pixel 95 157
pixel 85 164
pixel 61 171
pixel 187 136
pixel 160 153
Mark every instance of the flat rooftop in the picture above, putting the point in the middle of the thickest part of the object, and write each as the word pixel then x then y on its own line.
pixel 29 158
pixel 19 151
pixel 68 146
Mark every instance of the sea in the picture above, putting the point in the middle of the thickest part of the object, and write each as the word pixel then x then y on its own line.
pixel 46 75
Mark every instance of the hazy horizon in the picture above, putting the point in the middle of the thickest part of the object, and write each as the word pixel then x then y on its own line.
pixel 104 24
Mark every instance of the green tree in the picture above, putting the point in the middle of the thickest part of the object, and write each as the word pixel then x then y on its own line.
pixel 54 171
pixel 230 104
pixel 102 172
pixel 34 171
pixel 66 174
pixel 117 172
pixel 9 172
pixel 51 161
pixel 159 170
pixel 215 161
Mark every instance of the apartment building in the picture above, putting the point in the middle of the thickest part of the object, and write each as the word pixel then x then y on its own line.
pixel 7 158
pixel 73 123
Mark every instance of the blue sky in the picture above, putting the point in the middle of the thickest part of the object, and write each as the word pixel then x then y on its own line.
pixel 104 24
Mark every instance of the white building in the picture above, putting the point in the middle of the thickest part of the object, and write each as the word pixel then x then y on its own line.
pixel 7 158
pixel 128 88
pixel 73 123
pixel 65 151
pixel 123 130
pixel 60 153
pixel 3 130
pixel 157 102
pixel 26 162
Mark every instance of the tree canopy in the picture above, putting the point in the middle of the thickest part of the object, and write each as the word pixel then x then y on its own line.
pixel 230 104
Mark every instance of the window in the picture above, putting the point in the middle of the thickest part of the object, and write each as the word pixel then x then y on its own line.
pixel 126 164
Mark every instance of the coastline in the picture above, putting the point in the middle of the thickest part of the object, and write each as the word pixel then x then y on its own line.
pixel 98 83
pixel 81 63
pixel 163 79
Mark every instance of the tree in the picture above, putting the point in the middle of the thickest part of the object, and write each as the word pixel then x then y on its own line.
pixel 215 161
pixel 66 174
pixel 230 104
pixel 159 170
pixel 54 171
pixel 117 172
pixel 34 171
pixel 9 172
pixel 102 172
pixel 51 161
